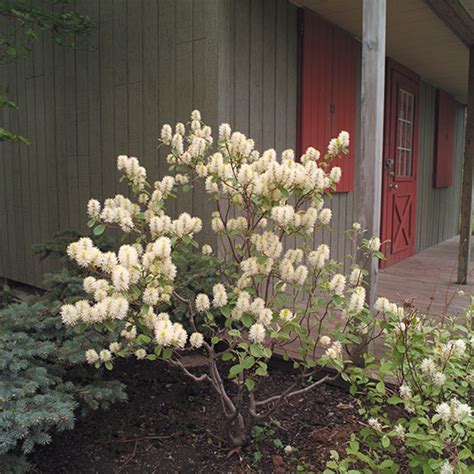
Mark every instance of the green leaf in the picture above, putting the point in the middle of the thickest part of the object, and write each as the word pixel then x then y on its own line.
pixel 99 229
pixel 167 353
pixel 256 350
pixel 235 370
pixel 385 441
pixel 226 311
pixel 380 387
pixel 250 384
pixel 227 356
pixel 108 365
pixel 248 362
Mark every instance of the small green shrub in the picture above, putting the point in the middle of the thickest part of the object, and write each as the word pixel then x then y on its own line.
pixel 416 400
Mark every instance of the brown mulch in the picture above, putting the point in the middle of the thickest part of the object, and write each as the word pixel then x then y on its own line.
pixel 171 425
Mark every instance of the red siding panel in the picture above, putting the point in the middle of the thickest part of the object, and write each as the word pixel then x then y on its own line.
pixel 444 152
pixel 328 91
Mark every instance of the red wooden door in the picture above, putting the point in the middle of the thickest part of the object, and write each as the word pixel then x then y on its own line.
pixel 400 163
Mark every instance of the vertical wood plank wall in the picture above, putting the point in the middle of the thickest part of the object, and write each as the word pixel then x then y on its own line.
pixel 153 62
pixel 437 214
pixel 259 79
pixel 150 62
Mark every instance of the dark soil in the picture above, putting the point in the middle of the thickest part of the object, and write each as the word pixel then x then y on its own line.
pixel 172 425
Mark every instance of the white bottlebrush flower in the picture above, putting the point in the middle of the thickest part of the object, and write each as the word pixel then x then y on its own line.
pixel 446 468
pixel 220 295
pixel 130 333
pixel 375 424
pixel 286 315
pixel 334 351
pixel 202 302
pixel 105 355
pixel 300 275
pixel 140 354
pixel 151 296
pixel 69 314
pixel 460 411
pixel 196 340
pixel 91 356
pixel 206 249
pixel 162 247
pixel 444 411
pixel 319 257
pixel 355 277
pixel 93 209
pixel 166 134
pixel 325 216
pixel 114 347
pixel 325 341
pixel 225 131
pixel 399 432
pixel 356 226
pixel 89 284
pixel 120 278
pixel 357 300
pixel 257 333
pixel 195 115
pixel 382 304
pixel 374 244
pixel 405 392
pixel 337 284
pixel 288 449
pixel 335 174
pixel 343 139
pixel 265 316
pixel 438 378
pixel 128 256
pixel 428 366
pixel 108 261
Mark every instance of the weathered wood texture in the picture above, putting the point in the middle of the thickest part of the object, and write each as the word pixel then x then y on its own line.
pixel 372 119
pixel 150 62
pixel 437 211
pixel 467 181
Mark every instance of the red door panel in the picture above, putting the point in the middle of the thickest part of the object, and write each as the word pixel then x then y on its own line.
pixel 400 163
pixel 328 90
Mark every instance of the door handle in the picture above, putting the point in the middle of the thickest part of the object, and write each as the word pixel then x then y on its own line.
pixel 393 186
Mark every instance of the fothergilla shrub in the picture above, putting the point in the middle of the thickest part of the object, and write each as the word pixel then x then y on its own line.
pixel 279 293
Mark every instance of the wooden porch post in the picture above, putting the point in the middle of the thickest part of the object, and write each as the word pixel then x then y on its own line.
pixel 466 196
pixel 372 125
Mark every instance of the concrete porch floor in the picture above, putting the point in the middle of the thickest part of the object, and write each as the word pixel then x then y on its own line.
pixel 428 280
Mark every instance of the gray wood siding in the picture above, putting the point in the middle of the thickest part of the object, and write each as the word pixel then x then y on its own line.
pixel 437 216
pixel 259 78
pixel 150 62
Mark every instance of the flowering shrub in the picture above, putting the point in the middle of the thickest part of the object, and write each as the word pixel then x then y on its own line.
pixel 417 400
pixel 282 295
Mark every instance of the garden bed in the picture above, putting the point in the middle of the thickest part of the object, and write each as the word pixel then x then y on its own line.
pixel 166 427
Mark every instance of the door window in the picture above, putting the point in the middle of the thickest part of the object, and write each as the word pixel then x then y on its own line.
pixel 404 138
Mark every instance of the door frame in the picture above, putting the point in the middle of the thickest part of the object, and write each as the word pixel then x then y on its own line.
pixel 390 135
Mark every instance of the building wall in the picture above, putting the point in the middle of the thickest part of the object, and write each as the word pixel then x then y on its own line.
pixel 152 62
pixel 438 209
pixel 258 65
pixel 149 62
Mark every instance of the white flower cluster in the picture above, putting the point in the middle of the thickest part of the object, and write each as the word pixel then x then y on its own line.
pixel 132 169
pixel 454 411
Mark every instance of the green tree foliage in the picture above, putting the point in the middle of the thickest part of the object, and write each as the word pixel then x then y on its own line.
pixel 44 383
pixel 21 24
